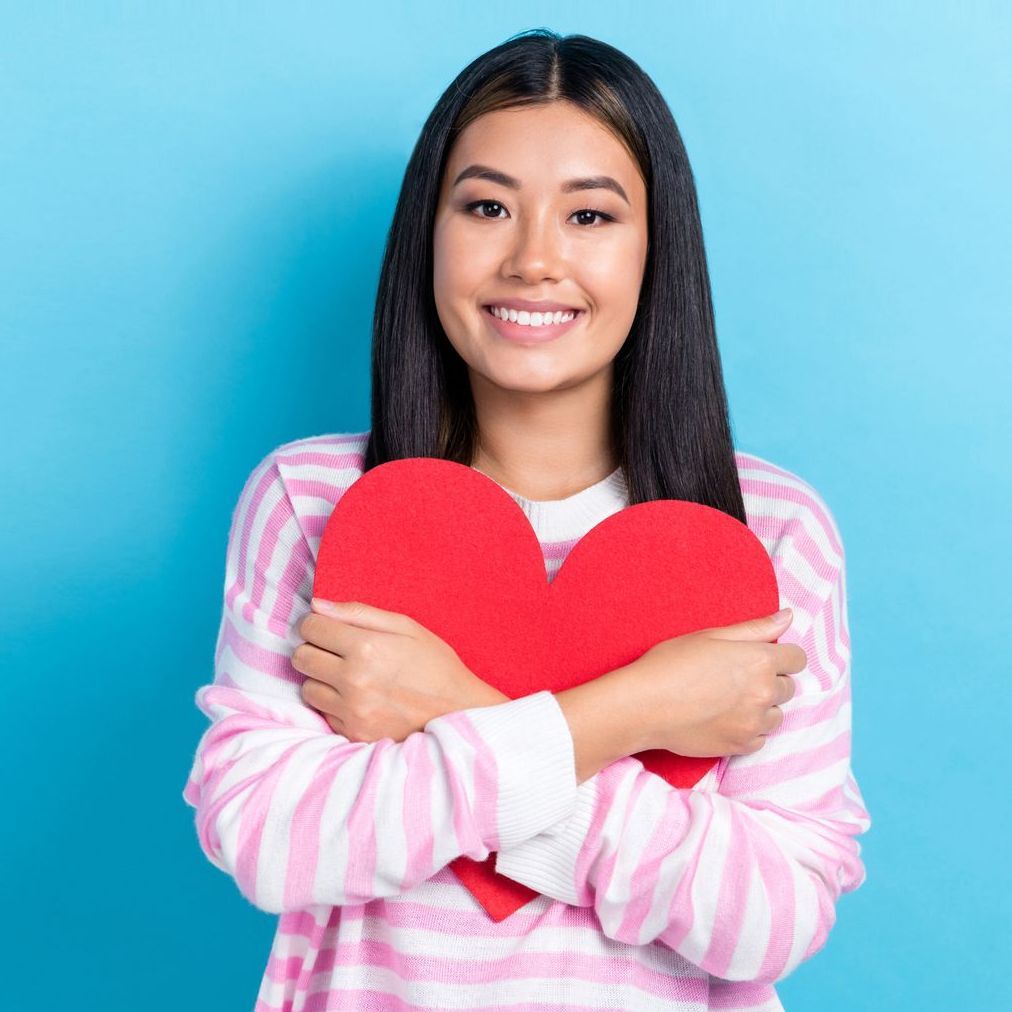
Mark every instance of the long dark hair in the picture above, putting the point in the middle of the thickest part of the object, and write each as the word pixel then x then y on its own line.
pixel 670 426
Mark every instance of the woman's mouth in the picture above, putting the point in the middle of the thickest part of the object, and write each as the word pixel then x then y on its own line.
pixel 523 331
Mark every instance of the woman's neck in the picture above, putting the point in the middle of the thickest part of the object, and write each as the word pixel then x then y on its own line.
pixel 544 466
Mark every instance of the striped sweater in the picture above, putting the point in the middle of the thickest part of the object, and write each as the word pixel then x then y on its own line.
pixel 650 896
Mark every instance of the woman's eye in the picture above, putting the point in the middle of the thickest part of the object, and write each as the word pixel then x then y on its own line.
pixel 594 214
pixel 486 203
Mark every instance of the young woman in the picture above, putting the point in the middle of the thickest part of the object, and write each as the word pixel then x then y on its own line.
pixel 543 316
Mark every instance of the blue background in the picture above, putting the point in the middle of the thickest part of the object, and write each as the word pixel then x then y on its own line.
pixel 194 201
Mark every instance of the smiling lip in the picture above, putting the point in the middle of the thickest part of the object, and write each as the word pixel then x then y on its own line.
pixel 541 306
pixel 519 334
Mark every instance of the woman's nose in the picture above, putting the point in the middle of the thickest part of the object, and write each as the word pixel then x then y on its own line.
pixel 536 252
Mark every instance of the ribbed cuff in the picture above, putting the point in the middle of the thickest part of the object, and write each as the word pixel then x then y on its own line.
pixel 535 760
pixel 547 862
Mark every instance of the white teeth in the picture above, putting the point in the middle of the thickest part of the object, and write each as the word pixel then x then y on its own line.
pixel 527 319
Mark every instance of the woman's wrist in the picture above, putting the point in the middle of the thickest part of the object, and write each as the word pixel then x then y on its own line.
pixel 603 721
pixel 602 714
pixel 483 694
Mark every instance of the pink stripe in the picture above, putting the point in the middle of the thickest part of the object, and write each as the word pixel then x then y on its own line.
pixel 732 901
pixel 264 660
pixel 340 1000
pixel 220 737
pixel 798 717
pixel 747 778
pixel 833 615
pixel 318 488
pixel 293 576
pixel 251 824
pixel 802 543
pixel 360 874
pixel 752 462
pixel 760 848
pixel 464 971
pixel 419 832
pixel 306 833
pixel 605 864
pixel 236 699
pixel 342 458
pixel 556 551
pixel 265 481
pixel 645 883
pixel 276 521
pixel 795 594
pixel 303 924
pixel 681 910
pixel 314 525
pixel 830 668
pixel 452 921
pixel 770 490
pixel 328 439
pixel 486 788
pixel 608 780
pixel 736 995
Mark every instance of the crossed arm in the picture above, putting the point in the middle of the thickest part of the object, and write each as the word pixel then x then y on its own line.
pixel 742 881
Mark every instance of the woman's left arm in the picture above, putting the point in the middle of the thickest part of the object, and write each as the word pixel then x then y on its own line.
pixel 743 883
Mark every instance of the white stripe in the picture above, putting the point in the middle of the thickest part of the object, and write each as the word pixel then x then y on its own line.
pixel 272 859
pixel 747 958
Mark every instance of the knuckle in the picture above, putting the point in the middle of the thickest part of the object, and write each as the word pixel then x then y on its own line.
pixel 743 735
pixel 358 723
pixel 365 716
pixel 759 696
pixel 354 678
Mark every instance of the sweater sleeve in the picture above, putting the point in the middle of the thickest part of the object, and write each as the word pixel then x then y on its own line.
pixel 299 815
pixel 743 881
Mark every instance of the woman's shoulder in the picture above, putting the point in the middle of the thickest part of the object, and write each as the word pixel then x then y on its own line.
pixel 331 456
pixel 303 478
pixel 787 513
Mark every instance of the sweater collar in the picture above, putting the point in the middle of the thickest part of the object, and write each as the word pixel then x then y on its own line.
pixel 571 518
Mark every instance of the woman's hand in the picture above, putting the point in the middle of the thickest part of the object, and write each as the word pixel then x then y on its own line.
pixel 715 692
pixel 380 674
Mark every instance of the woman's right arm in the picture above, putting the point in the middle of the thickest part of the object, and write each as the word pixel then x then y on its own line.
pixel 299 815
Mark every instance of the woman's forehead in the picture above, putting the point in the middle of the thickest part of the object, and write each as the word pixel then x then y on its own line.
pixel 540 145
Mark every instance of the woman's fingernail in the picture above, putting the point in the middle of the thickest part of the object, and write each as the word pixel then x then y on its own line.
pixel 327 607
pixel 781 615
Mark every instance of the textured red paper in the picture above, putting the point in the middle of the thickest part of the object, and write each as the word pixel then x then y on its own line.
pixel 443 543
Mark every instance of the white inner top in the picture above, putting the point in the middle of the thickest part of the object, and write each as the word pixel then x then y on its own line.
pixel 569 519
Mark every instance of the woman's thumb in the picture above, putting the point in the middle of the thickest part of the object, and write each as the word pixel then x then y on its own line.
pixel 765 627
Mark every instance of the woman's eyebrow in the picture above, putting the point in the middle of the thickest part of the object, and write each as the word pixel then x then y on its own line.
pixel 570 186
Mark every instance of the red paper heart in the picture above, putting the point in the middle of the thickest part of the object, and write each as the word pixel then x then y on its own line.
pixel 445 544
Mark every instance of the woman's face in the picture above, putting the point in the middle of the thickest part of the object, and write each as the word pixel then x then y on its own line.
pixel 519 229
